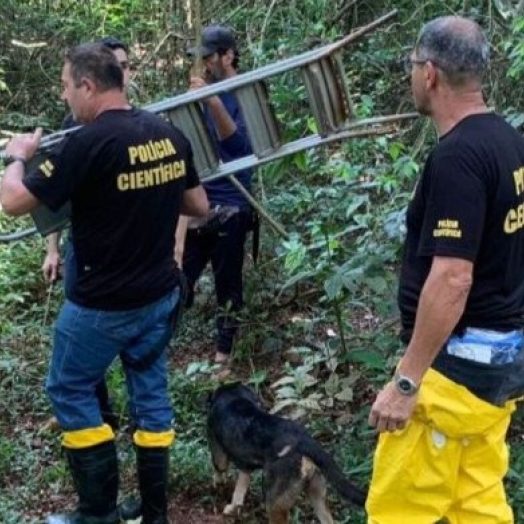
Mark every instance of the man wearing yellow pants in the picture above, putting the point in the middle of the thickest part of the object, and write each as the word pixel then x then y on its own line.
pixel 443 418
pixel 443 465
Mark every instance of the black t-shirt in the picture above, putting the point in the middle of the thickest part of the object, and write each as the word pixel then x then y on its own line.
pixel 125 174
pixel 469 204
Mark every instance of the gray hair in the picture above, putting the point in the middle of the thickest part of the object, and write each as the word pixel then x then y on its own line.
pixel 455 45
pixel 96 62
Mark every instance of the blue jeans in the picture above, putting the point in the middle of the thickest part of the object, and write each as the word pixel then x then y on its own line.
pixel 86 342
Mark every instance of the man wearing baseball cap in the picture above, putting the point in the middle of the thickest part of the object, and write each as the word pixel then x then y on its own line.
pixel 215 39
pixel 221 238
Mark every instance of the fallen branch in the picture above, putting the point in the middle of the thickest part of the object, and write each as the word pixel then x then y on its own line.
pixel 341 13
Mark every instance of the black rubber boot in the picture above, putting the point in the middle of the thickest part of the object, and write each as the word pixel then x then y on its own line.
pixel 153 469
pixel 95 476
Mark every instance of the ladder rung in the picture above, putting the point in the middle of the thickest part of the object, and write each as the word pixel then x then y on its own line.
pixel 190 119
pixel 328 94
pixel 259 117
pixel 342 79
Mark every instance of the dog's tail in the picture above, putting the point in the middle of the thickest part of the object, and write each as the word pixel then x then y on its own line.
pixel 310 448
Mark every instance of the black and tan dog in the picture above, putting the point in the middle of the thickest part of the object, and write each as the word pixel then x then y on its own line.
pixel 241 432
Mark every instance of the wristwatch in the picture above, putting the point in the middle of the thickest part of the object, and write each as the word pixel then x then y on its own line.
pixel 8 160
pixel 405 385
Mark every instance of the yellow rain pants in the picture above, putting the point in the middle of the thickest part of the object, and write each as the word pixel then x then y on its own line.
pixel 448 462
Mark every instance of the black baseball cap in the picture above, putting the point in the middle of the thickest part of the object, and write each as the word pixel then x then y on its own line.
pixel 215 38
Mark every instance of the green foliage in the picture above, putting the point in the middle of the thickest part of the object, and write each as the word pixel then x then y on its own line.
pixel 35 36
pixel 349 245
pixel 319 331
pixel 301 388
pixel 21 285
pixel 515 48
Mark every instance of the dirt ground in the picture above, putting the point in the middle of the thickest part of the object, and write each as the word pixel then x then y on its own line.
pixel 187 508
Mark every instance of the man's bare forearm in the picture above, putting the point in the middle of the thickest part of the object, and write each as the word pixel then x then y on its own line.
pixel 180 239
pixel 441 304
pixel 14 197
pixel 53 243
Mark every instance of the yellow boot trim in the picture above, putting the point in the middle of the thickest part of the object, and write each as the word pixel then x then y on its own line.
pixel 148 439
pixel 85 438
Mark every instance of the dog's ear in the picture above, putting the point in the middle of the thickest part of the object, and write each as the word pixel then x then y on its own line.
pixel 249 393
pixel 256 396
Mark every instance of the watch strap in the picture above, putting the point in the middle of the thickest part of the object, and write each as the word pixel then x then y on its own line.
pixel 8 160
pixel 405 385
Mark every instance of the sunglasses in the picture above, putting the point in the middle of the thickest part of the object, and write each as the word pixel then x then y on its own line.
pixel 409 62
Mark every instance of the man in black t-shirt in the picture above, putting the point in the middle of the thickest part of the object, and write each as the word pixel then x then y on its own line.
pixel 128 176
pixel 443 418
pixel 52 261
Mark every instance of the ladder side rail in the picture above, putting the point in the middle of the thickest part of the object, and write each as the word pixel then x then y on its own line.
pixel 349 131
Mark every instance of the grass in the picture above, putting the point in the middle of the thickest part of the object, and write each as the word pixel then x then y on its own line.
pixel 33 475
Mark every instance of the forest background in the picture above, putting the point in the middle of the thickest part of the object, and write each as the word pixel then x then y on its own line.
pixel 319 330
